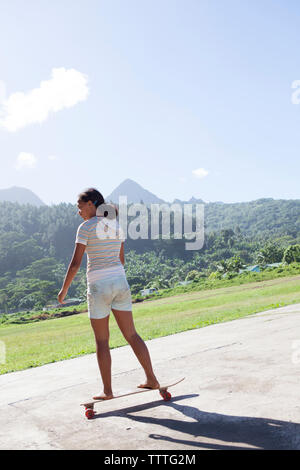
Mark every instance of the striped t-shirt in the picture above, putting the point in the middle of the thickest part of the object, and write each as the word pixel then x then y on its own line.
pixel 103 238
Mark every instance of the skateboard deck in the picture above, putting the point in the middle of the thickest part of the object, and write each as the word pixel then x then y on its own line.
pixel 163 390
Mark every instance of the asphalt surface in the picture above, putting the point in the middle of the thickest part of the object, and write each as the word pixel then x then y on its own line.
pixel 241 392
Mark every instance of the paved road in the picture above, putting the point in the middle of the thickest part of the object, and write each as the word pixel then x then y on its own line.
pixel 241 391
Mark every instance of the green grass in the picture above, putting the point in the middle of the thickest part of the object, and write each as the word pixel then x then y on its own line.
pixel 34 344
pixel 201 285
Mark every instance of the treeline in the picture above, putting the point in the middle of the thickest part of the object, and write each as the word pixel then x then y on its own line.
pixel 36 245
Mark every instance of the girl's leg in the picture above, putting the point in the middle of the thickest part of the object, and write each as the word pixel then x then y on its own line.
pixel 101 332
pixel 124 320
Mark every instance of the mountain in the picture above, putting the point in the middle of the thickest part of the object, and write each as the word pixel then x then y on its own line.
pixel 20 195
pixel 193 200
pixel 135 193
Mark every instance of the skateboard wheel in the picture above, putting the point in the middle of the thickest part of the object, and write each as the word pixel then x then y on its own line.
pixel 166 395
pixel 89 413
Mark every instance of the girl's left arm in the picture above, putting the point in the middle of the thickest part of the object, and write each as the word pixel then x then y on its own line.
pixel 72 270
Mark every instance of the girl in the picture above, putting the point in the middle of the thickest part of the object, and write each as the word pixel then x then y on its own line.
pixel 107 286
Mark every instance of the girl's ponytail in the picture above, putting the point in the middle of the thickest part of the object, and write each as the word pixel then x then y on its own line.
pixel 93 195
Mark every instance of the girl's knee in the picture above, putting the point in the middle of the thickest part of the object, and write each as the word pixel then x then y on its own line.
pixel 132 337
pixel 102 343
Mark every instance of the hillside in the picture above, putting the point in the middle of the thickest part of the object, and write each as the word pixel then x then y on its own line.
pixel 260 217
pixel 36 245
pixel 20 195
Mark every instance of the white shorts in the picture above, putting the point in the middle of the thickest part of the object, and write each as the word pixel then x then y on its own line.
pixel 105 294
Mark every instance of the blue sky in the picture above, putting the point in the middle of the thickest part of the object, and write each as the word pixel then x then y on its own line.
pixel 188 98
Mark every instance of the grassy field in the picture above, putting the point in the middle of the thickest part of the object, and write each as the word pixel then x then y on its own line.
pixel 35 344
pixel 204 284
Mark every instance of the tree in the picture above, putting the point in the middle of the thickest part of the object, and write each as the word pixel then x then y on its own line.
pixel 46 269
pixel 233 264
pixel 292 254
pixel 227 235
pixel 3 301
pixel 192 275
pixel 270 253
pixel 215 275
pixel 222 266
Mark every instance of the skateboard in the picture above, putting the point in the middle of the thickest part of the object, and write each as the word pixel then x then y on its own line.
pixel 163 390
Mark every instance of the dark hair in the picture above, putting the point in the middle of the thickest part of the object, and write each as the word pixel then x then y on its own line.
pixel 92 194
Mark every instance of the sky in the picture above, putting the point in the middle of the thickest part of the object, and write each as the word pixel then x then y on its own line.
pixel 189 98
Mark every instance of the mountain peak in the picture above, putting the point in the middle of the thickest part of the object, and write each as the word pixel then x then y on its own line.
pixel 135 193
pixel 20 195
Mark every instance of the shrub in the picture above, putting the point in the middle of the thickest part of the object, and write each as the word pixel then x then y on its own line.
pixel 215 275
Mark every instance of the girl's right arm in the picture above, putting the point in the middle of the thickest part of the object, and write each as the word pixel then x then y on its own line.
pixel 122 257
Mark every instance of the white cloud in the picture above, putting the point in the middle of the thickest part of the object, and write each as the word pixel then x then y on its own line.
pixel 25 160
pixel 200 173
pixel 52 157
pixel 63 90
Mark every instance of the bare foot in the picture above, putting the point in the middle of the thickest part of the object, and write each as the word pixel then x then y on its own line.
pixel 104 396
pixel 152 384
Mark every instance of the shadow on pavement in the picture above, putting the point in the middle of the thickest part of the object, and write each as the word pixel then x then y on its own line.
pixel 233 432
